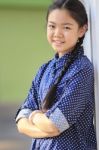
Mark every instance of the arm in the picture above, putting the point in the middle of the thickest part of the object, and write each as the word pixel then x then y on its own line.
pixel 69 108
pixel 42 122
pixel 32 103
pixel 25 127
pixel 77 97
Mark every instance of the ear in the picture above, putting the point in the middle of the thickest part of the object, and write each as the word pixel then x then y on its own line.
pixel 83 30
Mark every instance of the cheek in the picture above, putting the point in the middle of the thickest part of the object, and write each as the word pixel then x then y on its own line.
pixel 71 36
pixel 49 36
pixel 67 35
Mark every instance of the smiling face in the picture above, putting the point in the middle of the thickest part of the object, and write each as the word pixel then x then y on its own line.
pixel 63 31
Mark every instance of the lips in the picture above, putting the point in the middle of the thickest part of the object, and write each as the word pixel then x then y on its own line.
pixel 57 42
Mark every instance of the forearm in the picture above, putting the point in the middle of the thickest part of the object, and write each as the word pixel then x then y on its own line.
pixel 25 127
pixel 43 123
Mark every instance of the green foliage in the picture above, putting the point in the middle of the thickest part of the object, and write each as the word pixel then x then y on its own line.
pixel 23 3
pixel 23 48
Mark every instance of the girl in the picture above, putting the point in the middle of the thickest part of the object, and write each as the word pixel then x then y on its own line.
pixel 58 111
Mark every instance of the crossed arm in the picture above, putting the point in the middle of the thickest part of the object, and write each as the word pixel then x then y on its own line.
pixel 37 126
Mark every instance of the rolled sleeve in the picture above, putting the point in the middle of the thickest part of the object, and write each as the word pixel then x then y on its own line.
pixel 32 101
pixel 77 95
pixel 29 104
pixel 24 113
pixel 58 118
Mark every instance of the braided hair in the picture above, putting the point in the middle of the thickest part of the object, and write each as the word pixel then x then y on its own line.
pixel 78 13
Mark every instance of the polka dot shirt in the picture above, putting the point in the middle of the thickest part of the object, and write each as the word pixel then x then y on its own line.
pixel 73 108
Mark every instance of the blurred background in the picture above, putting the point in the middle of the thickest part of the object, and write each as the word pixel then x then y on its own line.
pixel 23 49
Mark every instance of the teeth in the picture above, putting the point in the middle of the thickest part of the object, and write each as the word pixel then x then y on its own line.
pixel 58 42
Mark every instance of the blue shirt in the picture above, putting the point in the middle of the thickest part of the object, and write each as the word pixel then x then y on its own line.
pixel 73 108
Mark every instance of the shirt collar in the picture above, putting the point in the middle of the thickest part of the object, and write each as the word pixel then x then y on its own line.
pixel 60 61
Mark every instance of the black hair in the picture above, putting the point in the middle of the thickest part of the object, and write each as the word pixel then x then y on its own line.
pixel 77 11
pixel 75 8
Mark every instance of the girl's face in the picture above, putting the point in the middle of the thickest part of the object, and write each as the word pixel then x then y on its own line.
pixel 63 31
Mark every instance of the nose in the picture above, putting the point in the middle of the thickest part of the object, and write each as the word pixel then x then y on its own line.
pixel 58 33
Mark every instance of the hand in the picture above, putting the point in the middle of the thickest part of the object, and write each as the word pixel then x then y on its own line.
pixel 31 116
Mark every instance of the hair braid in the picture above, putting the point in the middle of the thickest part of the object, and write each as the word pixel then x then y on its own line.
pixel 73 6
pixel 50 96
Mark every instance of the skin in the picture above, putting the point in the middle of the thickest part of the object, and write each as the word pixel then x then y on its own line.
pixel 63 33
pixel 26 127
pixel 42 122
pixel 37 126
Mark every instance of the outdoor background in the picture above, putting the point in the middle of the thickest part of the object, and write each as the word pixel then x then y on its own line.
pixel 23 49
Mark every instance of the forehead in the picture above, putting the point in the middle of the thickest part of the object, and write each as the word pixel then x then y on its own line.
pixel 61 16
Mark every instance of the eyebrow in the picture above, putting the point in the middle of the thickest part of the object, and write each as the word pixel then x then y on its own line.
pixel 62 23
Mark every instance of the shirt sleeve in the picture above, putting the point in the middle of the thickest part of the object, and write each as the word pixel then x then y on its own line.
pixel 76 96
pixel 31 103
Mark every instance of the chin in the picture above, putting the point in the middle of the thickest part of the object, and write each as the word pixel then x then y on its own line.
pixel 60 51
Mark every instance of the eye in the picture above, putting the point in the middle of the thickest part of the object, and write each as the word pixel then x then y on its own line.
pixel 51 26
pixel 67 28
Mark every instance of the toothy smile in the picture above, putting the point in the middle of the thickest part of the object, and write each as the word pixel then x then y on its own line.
pixel 58 42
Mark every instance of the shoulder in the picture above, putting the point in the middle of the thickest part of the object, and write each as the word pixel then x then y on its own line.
pixel 82 66
pixel 86 62
pixel 43 67
pixel 85 68
pixel 86 65
pixel 41 71
pixel 81 74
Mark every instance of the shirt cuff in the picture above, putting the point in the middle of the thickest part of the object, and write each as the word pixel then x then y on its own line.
pixel 24 113
pixel 58 118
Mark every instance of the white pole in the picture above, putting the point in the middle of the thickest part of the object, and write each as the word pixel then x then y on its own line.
pixel 94 21
pixel 92 46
